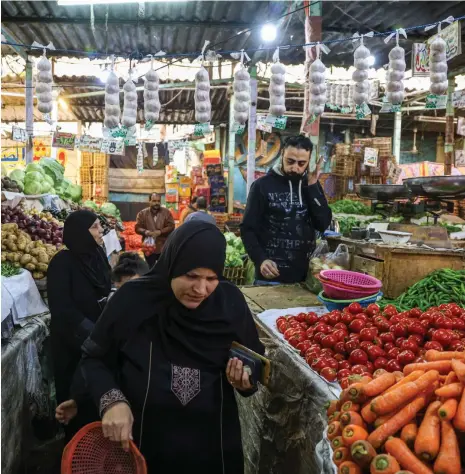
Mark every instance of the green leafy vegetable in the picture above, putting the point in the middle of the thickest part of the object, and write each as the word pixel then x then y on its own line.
pixel 54 169
pixel 9 270
pixel 346 206
pixel 18 176
pixel 90 205
pixel 34 167
pixel 32 188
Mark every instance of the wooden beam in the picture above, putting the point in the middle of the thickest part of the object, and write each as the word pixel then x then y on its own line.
pixel 12 39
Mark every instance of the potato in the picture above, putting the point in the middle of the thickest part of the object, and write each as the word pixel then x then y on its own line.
pixel 35 252
pixel 12 246
pixel 34 261
pixel 39 244
pixel 17 265
pixel 9 227
pixel 42 267
pixel 3 258
pixel 30 267
pixel 25 259
pixel 4 247
pixel 21 245
pixel 16 256
pixel 12 237
pixel 9 256
pixel 43 257
pixel 38 275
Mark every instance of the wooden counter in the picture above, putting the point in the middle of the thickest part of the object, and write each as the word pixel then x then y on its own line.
pixel 397 267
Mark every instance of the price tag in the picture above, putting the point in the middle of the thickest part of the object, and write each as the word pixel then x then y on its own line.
pixel 113 147
pixel 262 125
pixel 131 141
pixel 63 140
pixel 362 111
pixel 88 143
pixel 388 107
pixel 371 157
pixel 346 110
pixel 19 134
pixel 436 101
pixel 148 125
pixel 277 122
pixel 202 129
pixel 458 99
pixel 238 128
pixel 122 132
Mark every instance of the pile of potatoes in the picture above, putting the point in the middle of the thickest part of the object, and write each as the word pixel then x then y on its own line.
pixel 21 251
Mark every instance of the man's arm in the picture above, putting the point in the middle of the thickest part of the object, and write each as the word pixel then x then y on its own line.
pixel 251 224
pixel 140 224
pixel 169 225
pixel 320 213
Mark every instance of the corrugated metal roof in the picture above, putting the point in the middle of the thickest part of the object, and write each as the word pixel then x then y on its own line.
pixel 183 27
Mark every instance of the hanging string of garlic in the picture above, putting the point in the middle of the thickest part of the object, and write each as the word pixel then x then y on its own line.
pixel 351 95
pixel 152 104
pixel 333 95
pixel 396 70
pixel 140 157
pixel 241 88
pixel 345 96
pixel 277 89
pixel 44 85
pixel 329 88
pixel 360 75
pixel 130 103
pixel 318 88
pixel 339 95
pixel 438 60
pixel 112 110
pixel 202 96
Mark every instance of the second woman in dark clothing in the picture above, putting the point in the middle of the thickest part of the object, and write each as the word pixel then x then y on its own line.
pixel 158 359
pixel 78 280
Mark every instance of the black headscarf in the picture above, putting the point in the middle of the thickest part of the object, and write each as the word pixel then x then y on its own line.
pixel 88 254
pixel 199 338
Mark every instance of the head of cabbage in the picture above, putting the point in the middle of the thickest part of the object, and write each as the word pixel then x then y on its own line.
pixel 33 177
pixel 33 187
pixel 18 175
pixel 34 167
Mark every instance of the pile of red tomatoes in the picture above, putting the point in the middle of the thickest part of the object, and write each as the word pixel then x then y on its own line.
pixel 358 341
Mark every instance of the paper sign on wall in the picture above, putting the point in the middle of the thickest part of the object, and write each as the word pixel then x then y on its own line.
pixel 262 125
pixel 63 140
pixel 91 144
pixel 458 99
pixel 19 134
pixel 113 147
pixel 436 101
pixel 370 157
pixel 461 126
pixel 277 122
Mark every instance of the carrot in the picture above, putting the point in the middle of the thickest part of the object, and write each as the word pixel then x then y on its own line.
pixel 458 367
pixel 337 442
pixel 379 385
pixel 407 460
pixel 392 400
pixel 331 407
pixel 356 394
pixel 442 366
pixel 334 429
pixel 451 378
pixel 409 378
pixel 399 375
pixel 433 355
pixel 459 418
pixel 448 409
pixel 349 467
pixel 409 433
pixel 384 464
pixel 355 378
pixel 362 453
pixel 368 415
pixel 352 433
pixel 399 420
pixel 448 460
pixel 378 372
pixel 341 455
pixel 351 418
pixel 334 417
pixel 350 406
pixel 451 390
pixel 382 419
pixel 429 434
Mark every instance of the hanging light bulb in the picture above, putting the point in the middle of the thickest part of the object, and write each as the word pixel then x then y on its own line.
pixel 268 32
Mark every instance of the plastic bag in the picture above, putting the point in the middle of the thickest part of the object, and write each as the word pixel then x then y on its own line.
pixel 323 259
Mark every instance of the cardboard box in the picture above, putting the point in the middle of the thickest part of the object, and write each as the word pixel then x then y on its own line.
pixel 214 170
pixel 185 190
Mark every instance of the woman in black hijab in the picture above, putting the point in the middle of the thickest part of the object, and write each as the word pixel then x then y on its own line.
pixel 78 281
pixel 159 354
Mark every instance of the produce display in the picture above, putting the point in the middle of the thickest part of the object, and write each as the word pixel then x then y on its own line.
pixel 11 185
pixel 347 223
pixel 346 206
pixel 358 341
pixel 234 251
pixel 132 240
pixel 22 250
pixel 440 287
pixel 403 422
pixel 9 269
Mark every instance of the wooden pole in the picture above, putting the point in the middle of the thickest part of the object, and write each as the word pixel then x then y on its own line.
pixel 231 153
pixel 449 144
pixel 29 111
pixel 252 129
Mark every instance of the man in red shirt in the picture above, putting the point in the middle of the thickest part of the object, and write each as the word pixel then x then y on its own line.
pixel 154 224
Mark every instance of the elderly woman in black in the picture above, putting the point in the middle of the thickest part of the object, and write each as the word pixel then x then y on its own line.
pixel 78 281
pixel 157 363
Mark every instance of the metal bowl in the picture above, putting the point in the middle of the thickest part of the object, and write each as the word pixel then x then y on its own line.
pixel 382 192
pixel 437 186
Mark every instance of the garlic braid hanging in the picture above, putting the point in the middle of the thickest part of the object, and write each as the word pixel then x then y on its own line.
pixel 203 106
pixel 241 89
pixel 396 71
pixel 44 85
pixel 317 86
pixel 112 110
pixel 152 104
pixel 360 76
pixel 277 88
pixel 130 104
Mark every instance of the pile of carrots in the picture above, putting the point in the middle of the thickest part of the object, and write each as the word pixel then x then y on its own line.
pixel 402 423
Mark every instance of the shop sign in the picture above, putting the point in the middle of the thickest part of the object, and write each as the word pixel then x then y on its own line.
pixel 362 111
pixel 64 140
pixel 420 51
pixel 19 134
pixel 238 128
pixel 202 129
pixel 113 147
pixel 262 125
pixel 90 144
pixel 371 157
pixel 458 99
pixel 388 107
pixel 436 101
pixel 277 122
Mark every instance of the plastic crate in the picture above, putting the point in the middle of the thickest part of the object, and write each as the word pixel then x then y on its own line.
pixel 87 191
pixel 101 159
pixel 344 165
pixel 86 158
pixel 100 174
pixel 85 174
pixel 235 275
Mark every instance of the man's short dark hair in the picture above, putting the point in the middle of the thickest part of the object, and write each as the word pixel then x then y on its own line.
pixel 154 194
pixel 299 141
pixel 129 264
pixel 201 203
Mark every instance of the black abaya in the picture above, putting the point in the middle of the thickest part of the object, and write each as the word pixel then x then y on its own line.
pixel 169 362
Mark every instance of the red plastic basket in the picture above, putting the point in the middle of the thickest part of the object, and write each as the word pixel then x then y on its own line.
pixel 358 281
pixel 89 452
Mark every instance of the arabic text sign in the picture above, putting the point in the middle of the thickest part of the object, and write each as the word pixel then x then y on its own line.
pixel 458 99
pixel 371 157
pixel 19 134
pixel 113 147
pixel 64 140
pixel 420 51
pixel 92 144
